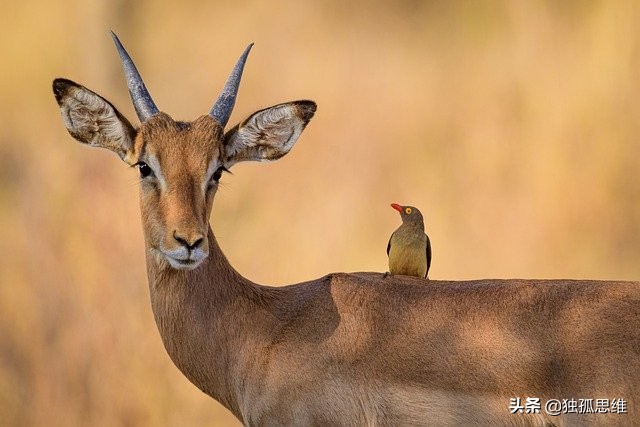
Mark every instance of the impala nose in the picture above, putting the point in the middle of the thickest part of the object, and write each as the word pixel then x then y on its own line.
pixel 188 241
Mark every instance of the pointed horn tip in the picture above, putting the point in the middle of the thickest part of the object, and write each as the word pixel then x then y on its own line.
pixel 122 52
pixel 142 101
pixel 247 50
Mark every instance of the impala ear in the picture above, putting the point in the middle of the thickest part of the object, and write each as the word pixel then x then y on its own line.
pixel 92 120
pixel 268 134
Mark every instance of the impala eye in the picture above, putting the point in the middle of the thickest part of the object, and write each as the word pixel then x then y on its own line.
pixel 144 169
pixel 218 173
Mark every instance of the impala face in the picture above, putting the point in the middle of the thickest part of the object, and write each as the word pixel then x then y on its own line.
pixel 176 188
pixel 179 163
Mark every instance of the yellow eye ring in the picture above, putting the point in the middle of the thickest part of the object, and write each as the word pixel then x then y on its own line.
pixel 408 210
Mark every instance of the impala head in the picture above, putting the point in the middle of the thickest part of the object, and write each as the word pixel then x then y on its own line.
pixel 179 163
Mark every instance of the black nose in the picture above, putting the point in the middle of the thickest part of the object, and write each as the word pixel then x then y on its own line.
pixel 189 242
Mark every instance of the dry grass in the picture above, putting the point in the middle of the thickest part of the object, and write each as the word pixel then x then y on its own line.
pixel 514 126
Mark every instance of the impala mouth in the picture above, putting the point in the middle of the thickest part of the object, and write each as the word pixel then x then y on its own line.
pixel 184 263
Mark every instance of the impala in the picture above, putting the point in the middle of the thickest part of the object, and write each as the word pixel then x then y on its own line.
pixel 348 348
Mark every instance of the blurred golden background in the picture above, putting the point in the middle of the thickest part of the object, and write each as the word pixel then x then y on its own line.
pixel 513 126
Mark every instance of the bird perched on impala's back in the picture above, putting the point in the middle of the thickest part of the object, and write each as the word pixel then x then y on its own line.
pixel 409 248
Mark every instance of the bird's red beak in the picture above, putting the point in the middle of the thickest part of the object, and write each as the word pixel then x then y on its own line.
pixel 396 207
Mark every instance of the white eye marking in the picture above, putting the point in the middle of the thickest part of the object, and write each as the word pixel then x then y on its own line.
pixel 213 167
pixel 153 162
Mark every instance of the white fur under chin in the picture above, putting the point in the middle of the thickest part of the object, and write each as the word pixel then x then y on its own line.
pixel 179 265
pixel 162 259
pixel 182 259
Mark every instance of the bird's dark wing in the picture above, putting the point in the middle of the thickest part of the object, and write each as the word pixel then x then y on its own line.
pixel 428 255
pixel 389 244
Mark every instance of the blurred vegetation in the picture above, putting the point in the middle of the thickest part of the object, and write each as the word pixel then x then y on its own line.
pixel 513 126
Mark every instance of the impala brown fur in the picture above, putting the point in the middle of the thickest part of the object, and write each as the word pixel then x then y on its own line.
pixel 351 349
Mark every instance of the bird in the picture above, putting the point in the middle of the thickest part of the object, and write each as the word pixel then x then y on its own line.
pixel 409 247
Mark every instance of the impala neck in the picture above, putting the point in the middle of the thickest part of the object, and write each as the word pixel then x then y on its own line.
pixel 203 317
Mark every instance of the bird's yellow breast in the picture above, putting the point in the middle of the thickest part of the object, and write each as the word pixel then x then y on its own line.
pixel 407 254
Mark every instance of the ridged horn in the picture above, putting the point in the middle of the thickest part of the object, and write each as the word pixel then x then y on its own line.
pixel 221 110
pixel 142 102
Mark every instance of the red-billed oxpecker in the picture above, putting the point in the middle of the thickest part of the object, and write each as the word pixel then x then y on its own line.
pixel 409 248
